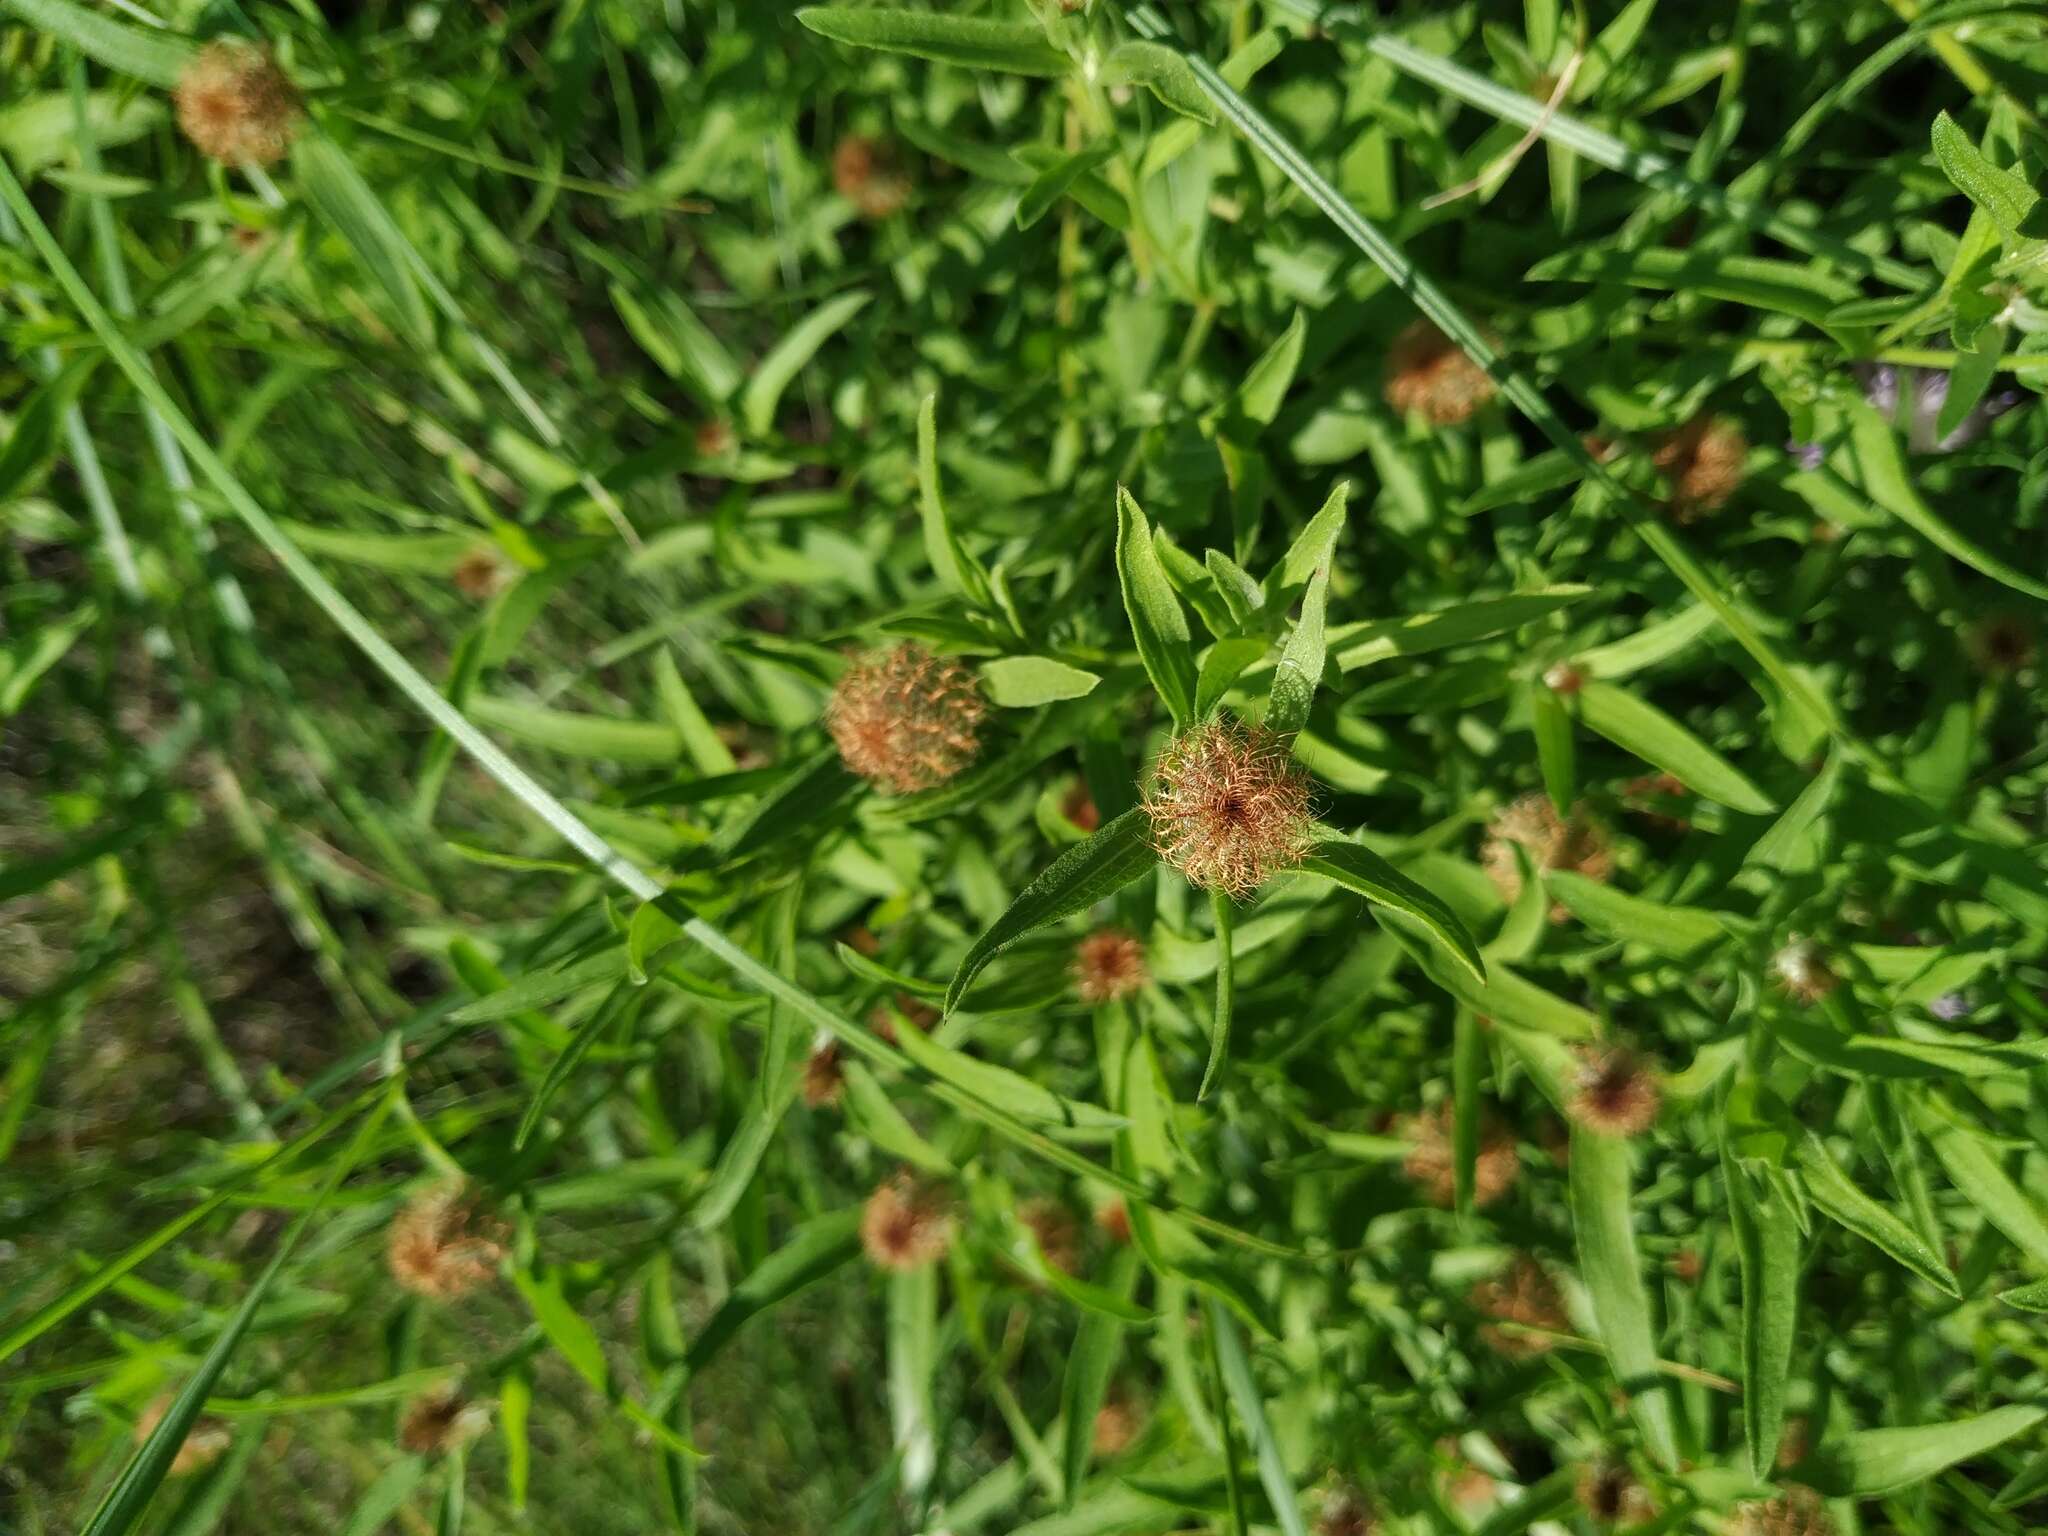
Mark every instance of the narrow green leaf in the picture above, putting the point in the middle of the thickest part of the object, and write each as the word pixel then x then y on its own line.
pixel 1226 991
pixel 1551 723
pixel 1157 622
pixel 1767 1243
pixel 1675 931
pixel 762 397
pixel 1600 1169
pixel 384 1497
pixel 913 1361
pixel 813 1251
pixel 1758 282
pixel 1265 386
pixel 1468 1062
pixel 810 794
pixel 617 1004
pixel 1365 645
pixel 872 1112
pixel 343 198
pixel 1870 1463
pixel 2028 1298
pixel 1833 1193
pixel 1243 1392
pixel 1056 180
pixel 156 56
pixel 973 42
pixel 1085 1384
pixel 1310 551
pixel 1015 1093
pixel 1359 869
pixel 1637 726
pixel 1164 73
pixel 1025 682
pixel 2006 197
pixel 950 562
pixel 1976 1173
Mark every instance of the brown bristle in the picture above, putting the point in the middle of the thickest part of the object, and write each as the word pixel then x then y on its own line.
pixel 824 1078
pixel 1524 1297
pixel 865 174
pixel 906 1224
pixel 1615 1092
pixel 235 105
pixel 1431 1162
pixel 1057 1234
pixel 1430 376
pixel 1109 964
pixel 1610 1496
pixel 1703 463
pixel 1801 968
pixel 439 1421
pixel 905 719
pixel 1532 824
pixel 438 1248
pixel 203 1443
pixel 1795 1512
pixel 1229 808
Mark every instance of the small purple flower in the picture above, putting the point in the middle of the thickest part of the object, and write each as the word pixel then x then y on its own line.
pixel 1806 455
pixel 1929 387
pixel 1949 1007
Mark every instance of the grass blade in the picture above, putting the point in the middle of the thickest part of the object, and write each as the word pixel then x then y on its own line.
pixel 1601 1187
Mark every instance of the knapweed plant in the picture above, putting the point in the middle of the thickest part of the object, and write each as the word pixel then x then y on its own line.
pixel 1024 766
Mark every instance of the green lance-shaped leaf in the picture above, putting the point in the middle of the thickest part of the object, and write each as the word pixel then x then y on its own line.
pixel 1243 1392
pixel 1157 622
pixel 1226 991
pixel 1056 179
pixel 1974 1171
pixel 1097 1343
pixel 1767 1242
pixel 1600 1168
pixel 951 563
pixel 913 1346
pixel 617 1004
pixel 1265 386
pixel 1086 873
pixel 158 57
pixel 1833 1193
pixel 1640 727
pixel 1164 73
pixel 1359 869
pixel 813 1251
pixel 2004 196
pixel 1025 682
pixel 341 197
pixel 1556 753
pixel 1873 1462
pixel 1669 930
pixel 1301 662
pixel 763 394
pixel 975 42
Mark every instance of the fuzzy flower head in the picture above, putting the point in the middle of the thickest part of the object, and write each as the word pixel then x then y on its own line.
pixel 866 175
pixel 1109 964
pixel 235 105
pixel 1054 1230
pixel 1795 1512
pixel 1432 1163
pixel 1116 1425
pixel 906 1224
pixel 1346 1513
pixel 1703 462
pixel 1524 1296
pixel 203 1443
pixel 482 573
pixel 1610 1495
pixel 824 1078
pixel 1229 808
pixel 437 1248
pixel 1801 968
pixel 441 1420
pixel 906 719
pixel 1113 1220
pixel 1430 376
pixel 1615 1092
pixel 2002 643
pixel 1532 824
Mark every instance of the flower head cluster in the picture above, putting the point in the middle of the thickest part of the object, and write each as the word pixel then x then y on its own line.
pixel 441 1420
pixel 235 105
pixel 1431 1162
pixel 1229 808
pixel 906 719
pixel 1525 1297
pixel 1109 964
pixel 1795 1512
pixel 1801 968
pixel 1430 376
pixel 866 175
pixel 1703 463
pixel 1610 1495
pixel 906 1224
pixel 437 1249
pixel 203 1443
pixel 1532 824
pixel 1615 1092
pixel 824 1075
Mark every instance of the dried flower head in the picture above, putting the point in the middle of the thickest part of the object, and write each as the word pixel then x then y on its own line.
pixel 438 1248
pixel 1057 1234
pixel 1116 1425
pixel 1658 798
pixel 865 173
pixel 1563 677
pixel 1079 807
pixel 481 573
pixel 1703 461
pixel 1523 1297
pixel 1470 1491
pixel 1109 964
pixel 1552 841
pixel 1615 1092
pixel 906 1223
pixel 1801 968
pixel 441 1420
pixel 906 719
pixel 715 438
pixel 824 1078
pixel 1795 1512
pixel 1346 1513
pixel 1431 1161
pixel 1430 376
pixel 203 1443
pixel 2004 642
pixel 1229 808
pixel 1113 1219
pixel 1687 1266
pixel 1796 1443
pixel 1610 1495
pixel 235 105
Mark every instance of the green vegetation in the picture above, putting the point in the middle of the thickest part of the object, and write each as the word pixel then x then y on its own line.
pixel 1041 766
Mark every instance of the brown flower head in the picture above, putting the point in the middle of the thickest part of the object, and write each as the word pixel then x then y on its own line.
pixel 1469 1490
pixel 1801 968
pixel 1431 1161
pixel 1795 1512
pixel 1615 1092
pixel 1055 1231
pixel 915 1012
pixel 1796 1443
pixel 203 1443
pixel 1113 1219
pixel 906 719
pixel 1563 677
pixel 1524 1296
pixel 1346 1513
pixel 1610 1495
pixel 437 1247
pixel 482 573
pixel 1116 1425
pixel 715 438
pixel 2003 642
pixel 824 1078
pixel 1109 964
pixel 1229 808
pixel 235 105
pixel 865 173
pixel 1687 1266
pixel 1703 462
pixel 441 1420
pixel 1659 798
pixel 906 1223
pixel 1430 376
pixel 1551 841
pixel 1079 807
